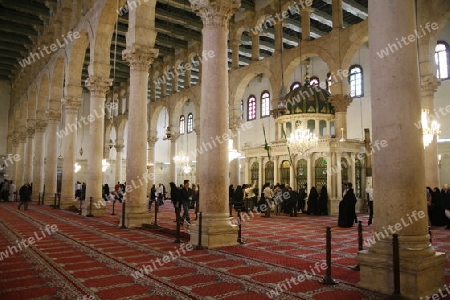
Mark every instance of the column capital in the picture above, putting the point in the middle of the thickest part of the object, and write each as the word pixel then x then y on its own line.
pixel 71 104
pixel 119 147
pixel 53 116
pixel 307 10
pixel 30 132
pixel 98 86
pixel 236 43
pixel 340 102
pixel 22 137
pixel 429 85
pixel 139 57
pixel 41 125
pixel 235 123
pixel 174 137
pixel 151 139
pixel 215 13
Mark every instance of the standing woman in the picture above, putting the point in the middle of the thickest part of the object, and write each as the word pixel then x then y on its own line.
pixel 323 201
pixel 238 200
pixel 313 202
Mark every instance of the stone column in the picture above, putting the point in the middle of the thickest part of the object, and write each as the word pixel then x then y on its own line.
pixel 39 143
pixel 187 78
pixel 234 164
pixel 429 86
pixel 217 229
pixel 255 46
pixel 317 128
pixel 339 175
pixel 51 159
pixel 119 145
pixel 12 168
pixel 275 170
pixel 29 151
pixel 20 169
pixel 306 22
pixel 337 14
pixel 235 53
pixel 197 137
pixel 309 172
pixel 353 169
pixel 340 103
pixel 291 174
pixel 260 173
pixel 139 57
pixel 393 115
pixel 151 140
pixel 278 28
pixel 97 87
pixel 173 152
pixel 328 129
pixel 71 106
pixel 329 173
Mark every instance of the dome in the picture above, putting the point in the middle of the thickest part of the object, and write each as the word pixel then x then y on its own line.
pixel 308 99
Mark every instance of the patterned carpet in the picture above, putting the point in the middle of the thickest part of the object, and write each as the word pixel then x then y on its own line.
pixel 51 254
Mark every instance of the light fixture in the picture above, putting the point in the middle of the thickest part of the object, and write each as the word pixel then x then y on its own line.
pixel 77 167
pixel 232 153
pixel 439 157
pixel 342 136
pixel 81 151
pixel 302 140
pixel 181 158
pixel 187 169
pixel 105 165
pixel 429 130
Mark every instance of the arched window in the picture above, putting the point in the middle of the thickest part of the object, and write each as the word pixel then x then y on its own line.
pixel 190 123
pixel 285 172
pixel 442 56
pixel 295 85
pixel 254 172
pixel 251 106
pixel 265 104
pixel 329 82
pixel 355 79
pixel 182 124
pixel 314 81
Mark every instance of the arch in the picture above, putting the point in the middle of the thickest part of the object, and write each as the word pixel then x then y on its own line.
pixel 75 61
pixel 43 95
pixel 32 101
pixel 57 70
pixel 361 37
pixel 242 80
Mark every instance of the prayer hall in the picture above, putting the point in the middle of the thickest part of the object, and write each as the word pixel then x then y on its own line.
pixel 225 149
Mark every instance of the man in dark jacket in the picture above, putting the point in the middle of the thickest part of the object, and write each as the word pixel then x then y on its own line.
pixel 25 196
pixel 186 197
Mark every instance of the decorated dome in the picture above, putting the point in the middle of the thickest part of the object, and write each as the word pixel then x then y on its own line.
pixel 308 99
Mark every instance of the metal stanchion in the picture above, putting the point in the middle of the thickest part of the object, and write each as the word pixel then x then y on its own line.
pixel 396 269
pixel 200 246
pixel 360 243
pixel 177 213
pixel 54 202
pixel 90 215
pixel 114 203
pixel 431 235
pixel 239 240
pixel 123 215
pixel 59 201
pixel 43 195
pixel 327 279
pixel 155 223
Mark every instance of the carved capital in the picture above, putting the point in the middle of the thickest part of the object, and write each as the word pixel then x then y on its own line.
pixel 215 13
pixel 139 57
pixel 98 86
pixel 71 104
pixel 235 123
pixel 53 116
pixel 119 147
pixel 174 137
pixel 22 137
pixel 41 125
pixel 152 140
pixel 30 132
pixel 340 102
pixel 429 85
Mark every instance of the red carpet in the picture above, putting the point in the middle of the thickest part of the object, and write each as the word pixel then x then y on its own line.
pixel 93 257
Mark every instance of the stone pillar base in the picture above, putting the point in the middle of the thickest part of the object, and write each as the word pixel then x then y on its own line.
pixel 49 199
pixel 217 231
pixel 419 276
pixel 133 220
pixel 333 206
pixel 98 208
pixel 66 203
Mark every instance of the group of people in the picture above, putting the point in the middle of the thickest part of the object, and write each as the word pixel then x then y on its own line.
pixel 185 197
pixel 7 190
pixel 438 202
pixel 80 190
pixel 281 198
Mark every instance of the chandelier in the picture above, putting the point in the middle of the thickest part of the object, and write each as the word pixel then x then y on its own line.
pixel 429 129
pixel 105 165
pixel 302 140
pixel 181 158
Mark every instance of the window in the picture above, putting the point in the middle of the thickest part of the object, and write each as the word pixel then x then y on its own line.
pixel 442 55
pixel 295 85
pixel 182 124
pixel 265 104
pixel 314 81
pixel 355 80
pixel 251 105
pixel 190 123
